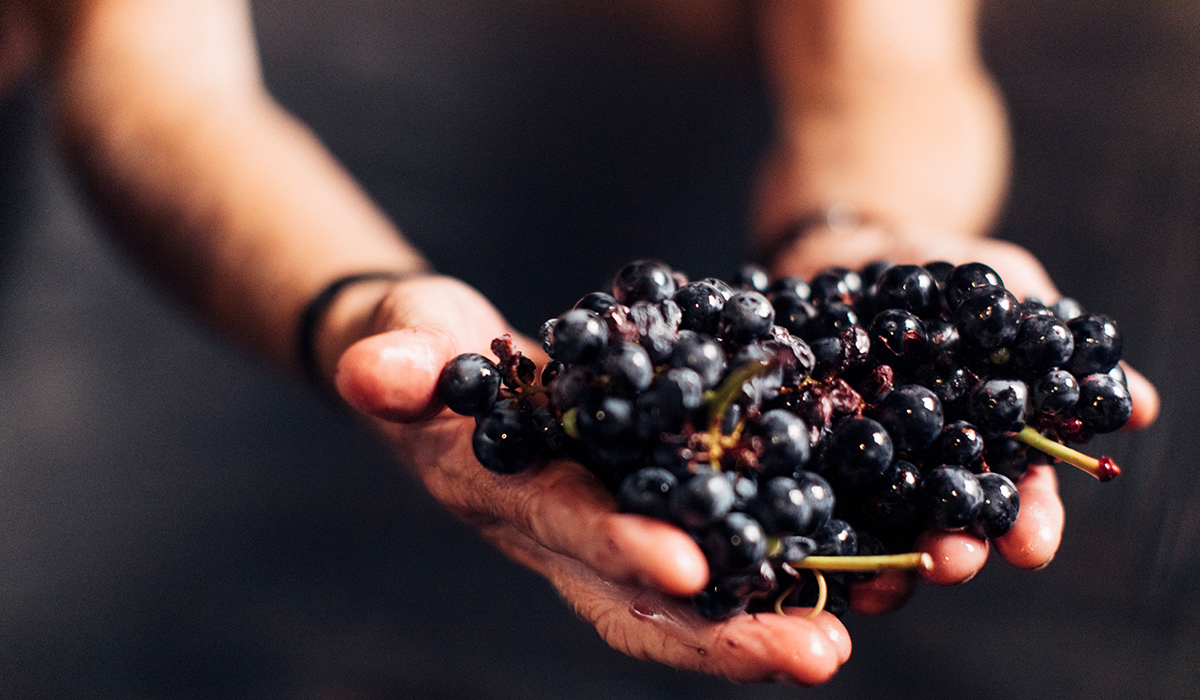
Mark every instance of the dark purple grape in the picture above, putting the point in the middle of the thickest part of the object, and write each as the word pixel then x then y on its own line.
pixel 960 443
pixel 1098 345
pixel 469 384
pixel 551 371
pixel 783 508
pixel 898 338
pixel 745 491
pixel 947 378
pixel 1055 393
pixel 605 420
pixel 857 452
pixel 942 336
pixel 505 440
pixel 1104 403
pixel 734 542
pixel 951 496
pixel 747 317
pixel 700 304
pixel 871 272
pixel 666 406
pixel 965 278
pixel 548 428
pixel 794 313
pixel 909 288
pixel 893 499
pixel 784 441
pixel 940 271
pixel 831 320
pixel 701 500
pixel 569 387
pixel 752 278
pixel 999 405
pixel 599 302
pixel 1033 307
pixel 795 548
pixel 819 495
pixel 836 538
pixel 721 285
pixel 1067 308
pixel 645 492
pixel 764 385
pixel 700 354
pixel 1001 503
pixel 626 366
pixel 1042 343
pixel 752 582
pixel 643 280
pixel 988 317
pixel 717 604
pixel 834 285
pixel 578 337
pixel 1007 456
pixel 789 285
pixel 912 415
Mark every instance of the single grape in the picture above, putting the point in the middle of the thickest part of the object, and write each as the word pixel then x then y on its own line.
pixel 1098 345
pixel 998 405
pixel 1001 503
pixel 965 278
pixel 751 278
pixel 836 538
pixel 645 492
pixel 578 337
pixel 700 304
pixel 1104 403
pixel 909 288
pixel 733 543
pixel 747 317
pixel 783 508
pixel 643 280
pixel 505 439
pixel 701 500
pixel 951 496
pixel 667 405
pixel 599 302
pixel 794 313
pixel 1042 343
pixel 469 384
pixel 789 285
pixel 960 443
pixel 605 420
pixel 626 366
pixel 892 499
pixel 701 354
pixel 1055 393
pixel 858 451
pixel 912 415
pixel 988 317
pixel 784 441
pixel 1007 456
pixel 898 338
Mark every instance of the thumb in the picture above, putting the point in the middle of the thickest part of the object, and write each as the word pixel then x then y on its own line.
pixel 394 375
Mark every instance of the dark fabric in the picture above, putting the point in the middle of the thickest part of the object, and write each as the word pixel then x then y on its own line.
pixel 177 522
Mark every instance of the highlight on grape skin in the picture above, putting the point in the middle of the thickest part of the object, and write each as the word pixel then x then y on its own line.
pixel 804 432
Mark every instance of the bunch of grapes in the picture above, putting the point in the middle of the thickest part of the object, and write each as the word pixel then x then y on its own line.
pixel 795 426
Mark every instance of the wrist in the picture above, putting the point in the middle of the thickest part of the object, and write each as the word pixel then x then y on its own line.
pixel 341 314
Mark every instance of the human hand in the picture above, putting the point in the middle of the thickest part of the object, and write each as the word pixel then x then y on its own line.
pixel 626 574
pixel 958 556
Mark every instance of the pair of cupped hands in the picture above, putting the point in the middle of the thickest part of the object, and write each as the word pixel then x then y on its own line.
pixel 630 575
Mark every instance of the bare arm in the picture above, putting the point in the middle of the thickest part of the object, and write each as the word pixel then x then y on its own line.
pixel 227 197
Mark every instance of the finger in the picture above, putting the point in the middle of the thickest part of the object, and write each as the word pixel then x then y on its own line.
pixel 564 509
pixel 957 556
pixel 748 648
pixel 886 591
pixel 394 375
pixel 1145 399
pixel 1034 538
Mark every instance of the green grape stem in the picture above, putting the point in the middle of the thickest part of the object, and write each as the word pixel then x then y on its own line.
pixel 1104 468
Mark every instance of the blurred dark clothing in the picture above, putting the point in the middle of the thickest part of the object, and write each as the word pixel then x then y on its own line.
pixel 176 521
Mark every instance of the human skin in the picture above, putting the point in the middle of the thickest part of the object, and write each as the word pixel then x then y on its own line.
pixel 237 208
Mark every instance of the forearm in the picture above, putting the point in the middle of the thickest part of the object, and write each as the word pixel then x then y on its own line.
pixel 229 200
pixel 882 106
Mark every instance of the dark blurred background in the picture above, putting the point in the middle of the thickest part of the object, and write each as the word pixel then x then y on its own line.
pixel 177 522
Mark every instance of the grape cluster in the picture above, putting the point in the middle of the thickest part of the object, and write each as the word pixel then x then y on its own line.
pixel 782 423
